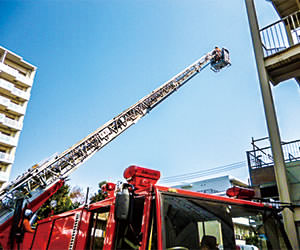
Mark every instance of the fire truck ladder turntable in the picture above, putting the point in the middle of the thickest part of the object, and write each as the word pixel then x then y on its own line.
pixel 39 178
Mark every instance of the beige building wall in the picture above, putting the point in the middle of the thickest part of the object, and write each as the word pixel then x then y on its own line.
pixel 16 79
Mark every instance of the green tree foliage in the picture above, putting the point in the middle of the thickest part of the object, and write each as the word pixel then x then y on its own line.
pixel 68 199
pixel 64 203
pixel 99 196
pixel 77 196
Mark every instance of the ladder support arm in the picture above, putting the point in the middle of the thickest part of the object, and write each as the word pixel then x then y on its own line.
pixel 35 180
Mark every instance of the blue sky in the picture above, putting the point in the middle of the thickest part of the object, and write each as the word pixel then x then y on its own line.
pixel 96 58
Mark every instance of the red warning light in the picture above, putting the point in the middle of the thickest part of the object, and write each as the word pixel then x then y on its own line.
pixel 240 193
pixel 109 189
pixel 141 177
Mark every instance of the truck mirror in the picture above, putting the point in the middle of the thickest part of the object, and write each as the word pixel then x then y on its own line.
pixel 53 203
pixel 122 205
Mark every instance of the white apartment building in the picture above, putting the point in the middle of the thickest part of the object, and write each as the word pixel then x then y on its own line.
pixel 16 78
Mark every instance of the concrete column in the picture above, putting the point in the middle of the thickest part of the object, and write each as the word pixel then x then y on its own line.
pixel 3 56
pixel 289 34
pixel 279 166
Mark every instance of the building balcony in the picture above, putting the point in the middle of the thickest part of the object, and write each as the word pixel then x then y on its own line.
pixel 8 70
pixel 284 65
pixel 20 93
pixel 281 46
pixel 8 140
pixel 262 157
pixel 10 89
pixel 15 75
pixel 5 103
pixel 4 157
pixel 16 108
pixel 285 7
pixel 6 85
pixel 261 169
pixel 4 176
pixel 10 122
pixel 24 79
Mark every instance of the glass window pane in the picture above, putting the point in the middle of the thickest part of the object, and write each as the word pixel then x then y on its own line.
pixel 193 223
pixel 98 229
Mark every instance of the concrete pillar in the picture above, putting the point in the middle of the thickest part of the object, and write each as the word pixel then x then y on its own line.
pixel 289 34
pixel 3 56
pixel 279 166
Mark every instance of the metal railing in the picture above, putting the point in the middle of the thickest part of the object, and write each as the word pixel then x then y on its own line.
pixel 8 139
pixel 6 157
pixel 262 157
pixel 12 89
pixel 281 34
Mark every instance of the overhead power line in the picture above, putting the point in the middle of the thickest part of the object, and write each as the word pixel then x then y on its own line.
pixel 202 173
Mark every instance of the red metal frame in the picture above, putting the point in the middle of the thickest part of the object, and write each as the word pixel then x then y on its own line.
pixel 111 223
pixel 34 205
pixel 146 217
pixel 212 197
pixel 110 229
pixel 160 243
pixel 160 189
pixel 62 225
pixel 82 230
pixel 59 230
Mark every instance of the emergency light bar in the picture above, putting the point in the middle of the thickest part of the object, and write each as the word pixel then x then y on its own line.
pixel 240 193
pixel 141 177
pixel 109 189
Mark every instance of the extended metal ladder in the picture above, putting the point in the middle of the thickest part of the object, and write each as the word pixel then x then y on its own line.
pixel 40 177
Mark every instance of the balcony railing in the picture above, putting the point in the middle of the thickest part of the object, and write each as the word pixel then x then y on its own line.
pixel 8 69
pixel 16 108
pixel 8 139
pixel 24 79
pixel 12 106
pixel 281 34
pixel 4 101
pixel 20 93
pixel 6 157
pixel 262 157
pixel 10 122
pixel 16 74
pixel 6 85
pixel 15 91
pixel 4 176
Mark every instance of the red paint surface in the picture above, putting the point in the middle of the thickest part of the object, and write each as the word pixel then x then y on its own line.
pixel 158 220
pixel 34 205
pixel 56 231
pixel 42 234
pixel 211 197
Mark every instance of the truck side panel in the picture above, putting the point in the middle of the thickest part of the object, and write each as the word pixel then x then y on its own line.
pixel 83 230
pixel 42 234
pixel 62 232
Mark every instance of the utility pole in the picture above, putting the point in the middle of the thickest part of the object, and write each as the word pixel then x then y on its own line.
pixel 272 124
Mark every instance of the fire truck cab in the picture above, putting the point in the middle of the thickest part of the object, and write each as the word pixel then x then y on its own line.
pixel 142 215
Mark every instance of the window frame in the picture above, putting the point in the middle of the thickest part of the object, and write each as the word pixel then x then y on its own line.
pixel 161 224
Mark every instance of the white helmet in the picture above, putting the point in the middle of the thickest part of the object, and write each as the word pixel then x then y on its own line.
pixel 28 213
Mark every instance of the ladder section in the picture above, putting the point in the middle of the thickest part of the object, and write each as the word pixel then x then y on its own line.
pixel 40 177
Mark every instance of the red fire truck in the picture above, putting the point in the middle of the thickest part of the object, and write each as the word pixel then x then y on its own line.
pixel 139 214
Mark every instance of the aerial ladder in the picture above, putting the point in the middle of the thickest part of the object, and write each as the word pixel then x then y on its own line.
pixel 41 181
